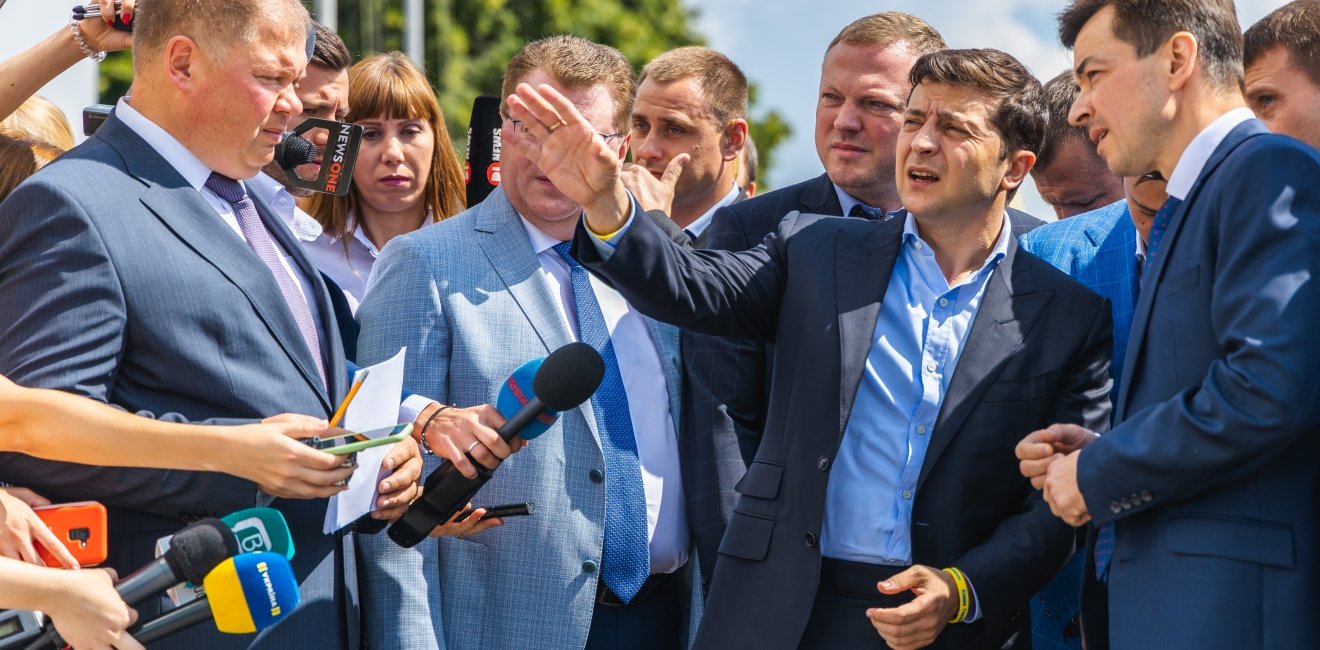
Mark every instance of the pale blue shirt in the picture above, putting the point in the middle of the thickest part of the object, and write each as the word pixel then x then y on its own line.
pixel 918 338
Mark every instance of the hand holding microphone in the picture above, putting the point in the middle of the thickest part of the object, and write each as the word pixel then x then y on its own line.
pixel 562 381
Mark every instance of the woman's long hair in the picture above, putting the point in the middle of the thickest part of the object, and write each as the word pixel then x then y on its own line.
pixel 389 86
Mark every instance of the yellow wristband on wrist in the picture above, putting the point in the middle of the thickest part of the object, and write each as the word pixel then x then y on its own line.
pixel 964 594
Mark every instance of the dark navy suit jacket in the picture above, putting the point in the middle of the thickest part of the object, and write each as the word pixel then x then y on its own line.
pixel 1037 352
pixel 1211 474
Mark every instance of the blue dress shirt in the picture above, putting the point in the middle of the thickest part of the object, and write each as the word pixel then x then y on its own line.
pixel 919 335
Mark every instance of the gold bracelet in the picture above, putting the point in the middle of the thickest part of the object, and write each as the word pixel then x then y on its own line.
pixel 964 594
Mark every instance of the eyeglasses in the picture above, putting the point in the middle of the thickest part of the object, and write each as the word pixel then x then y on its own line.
pixel 609 138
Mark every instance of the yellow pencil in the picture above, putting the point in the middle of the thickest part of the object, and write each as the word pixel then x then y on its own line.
pixel 348 399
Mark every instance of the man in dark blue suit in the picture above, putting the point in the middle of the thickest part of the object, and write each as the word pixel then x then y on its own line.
pixel 1203 497
pixel 888 447
pixel 1103 249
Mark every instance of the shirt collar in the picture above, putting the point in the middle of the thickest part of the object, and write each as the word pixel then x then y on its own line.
pixel 997 253
pixel 273 192
pixel 1198 152
pixel 189 166
pixel 541 242
pixel 699 226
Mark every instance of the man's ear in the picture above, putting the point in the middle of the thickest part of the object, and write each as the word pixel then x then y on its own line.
pixel 734 138
pixel 1181 53
pixel 182 58
pixel 1020 163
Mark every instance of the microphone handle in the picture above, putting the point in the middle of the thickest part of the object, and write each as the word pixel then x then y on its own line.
pixel 514 425
pixel 150 580
pixel 445 493
pixel 175 620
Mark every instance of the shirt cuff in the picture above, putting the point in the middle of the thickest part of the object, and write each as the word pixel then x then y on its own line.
pixel 413 405
pixel 603 243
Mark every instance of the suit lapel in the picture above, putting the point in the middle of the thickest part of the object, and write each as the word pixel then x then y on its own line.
pixel 510 253
pixel 862 267
pixel 1009 309
pixel 183 211
pixel 1155 272
pixel 820 197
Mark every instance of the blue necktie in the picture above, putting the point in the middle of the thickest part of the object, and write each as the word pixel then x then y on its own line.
pixel 627 560
pixel 1104 537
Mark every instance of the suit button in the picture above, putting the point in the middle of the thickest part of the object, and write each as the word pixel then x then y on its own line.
pixel 810 539
pixel 1145 496
pixel 589 566
pixel 823 463
pixel 597 476
pixel 1114 507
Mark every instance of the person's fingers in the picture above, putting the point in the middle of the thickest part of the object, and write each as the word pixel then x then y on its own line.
pixel 46 538
pixel 297 419
pixel 126 641
pixel 32 499
pixel 27 552
pixel 107 10
pixel 398 457
pixel 541 119
pixel 900 582
pixel 127 9
pixel 674 170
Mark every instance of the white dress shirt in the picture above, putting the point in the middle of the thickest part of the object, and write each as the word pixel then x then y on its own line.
pixel 1199 150
pixel 648 403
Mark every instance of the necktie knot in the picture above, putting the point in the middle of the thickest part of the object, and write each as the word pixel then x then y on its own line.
pixel 226 188
pixel 865 212
pixel 562 248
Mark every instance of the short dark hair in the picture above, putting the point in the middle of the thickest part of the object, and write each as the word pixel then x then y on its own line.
pixel 1060 93
pixel 721 80
pixel 1021 115
pixel 1147 24
pixel 889 28
pixel 330 52
pixel 1295 26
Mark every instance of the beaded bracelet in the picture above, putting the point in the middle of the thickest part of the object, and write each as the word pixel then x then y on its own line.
pixel 426 447
pixel 82 44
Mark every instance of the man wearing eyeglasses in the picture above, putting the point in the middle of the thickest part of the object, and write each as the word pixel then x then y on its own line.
pixel 604 562
pixel 688 128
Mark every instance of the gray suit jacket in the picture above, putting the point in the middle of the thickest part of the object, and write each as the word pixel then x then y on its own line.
pixel 119 282
pixel 467 299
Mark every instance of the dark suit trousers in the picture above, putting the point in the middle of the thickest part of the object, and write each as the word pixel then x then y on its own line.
pixel 654 624
pixel 838 617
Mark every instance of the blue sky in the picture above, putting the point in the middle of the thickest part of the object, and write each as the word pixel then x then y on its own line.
pixel 779 45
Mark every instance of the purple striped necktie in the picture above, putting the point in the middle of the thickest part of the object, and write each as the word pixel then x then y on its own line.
pixel 260 242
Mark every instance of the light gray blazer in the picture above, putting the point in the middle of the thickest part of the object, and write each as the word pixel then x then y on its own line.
pixel 467 299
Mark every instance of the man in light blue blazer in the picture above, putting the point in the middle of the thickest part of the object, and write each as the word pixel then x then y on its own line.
pixel 604 561
pixel 1202 498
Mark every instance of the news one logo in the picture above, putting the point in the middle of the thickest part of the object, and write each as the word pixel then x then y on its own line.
pixel 252 535
pixel 337 161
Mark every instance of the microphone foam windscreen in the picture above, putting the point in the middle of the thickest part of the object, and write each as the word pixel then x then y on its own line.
pixel 197 549
pixel 569 376
pixel 261 529
pixel 251 592
pixel 293 150
pixel 516 392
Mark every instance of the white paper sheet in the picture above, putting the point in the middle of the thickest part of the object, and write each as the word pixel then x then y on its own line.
pixel 376 406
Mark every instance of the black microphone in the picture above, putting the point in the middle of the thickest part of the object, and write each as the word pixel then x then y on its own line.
pixel 566 378
pixel 293 151
pixel 194 552
pixel 483 149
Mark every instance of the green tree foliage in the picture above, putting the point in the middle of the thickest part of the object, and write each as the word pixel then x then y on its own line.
pixel 468 43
